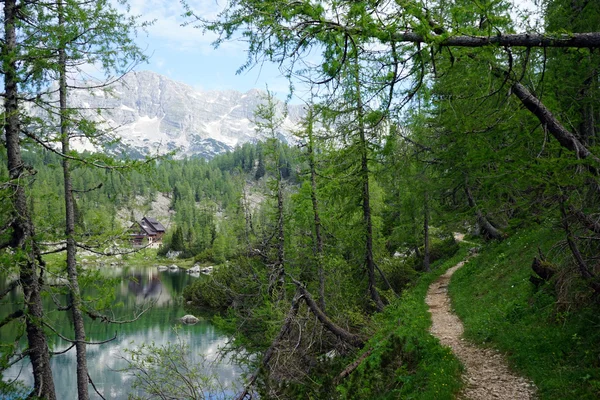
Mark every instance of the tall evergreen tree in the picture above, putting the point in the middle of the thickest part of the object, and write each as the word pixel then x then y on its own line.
pixel 27 255
pixel 268 122
pixel 56 40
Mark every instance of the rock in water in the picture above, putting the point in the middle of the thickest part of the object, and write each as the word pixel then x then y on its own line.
pixel 189 319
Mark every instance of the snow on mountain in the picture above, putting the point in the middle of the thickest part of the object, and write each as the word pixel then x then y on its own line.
pixel 154 113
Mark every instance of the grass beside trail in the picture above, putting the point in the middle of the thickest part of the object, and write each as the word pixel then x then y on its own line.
pixel 406 361
pixel 557 347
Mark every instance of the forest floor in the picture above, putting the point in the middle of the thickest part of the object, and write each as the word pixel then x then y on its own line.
pixel 487 375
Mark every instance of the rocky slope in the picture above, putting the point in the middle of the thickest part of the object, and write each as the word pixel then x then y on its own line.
pixel 151 113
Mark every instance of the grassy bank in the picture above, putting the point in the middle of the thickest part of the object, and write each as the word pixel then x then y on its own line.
pixel 406 361
pixel 555 344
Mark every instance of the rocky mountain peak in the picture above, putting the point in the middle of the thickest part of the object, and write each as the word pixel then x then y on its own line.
pixel 152 112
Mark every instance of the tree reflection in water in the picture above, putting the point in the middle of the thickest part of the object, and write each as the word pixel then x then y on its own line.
pixel 137 287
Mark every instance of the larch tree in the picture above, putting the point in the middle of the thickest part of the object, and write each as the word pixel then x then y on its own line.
pixel 27 253
pixel 421 41
pixel 57 39
pixel 269 120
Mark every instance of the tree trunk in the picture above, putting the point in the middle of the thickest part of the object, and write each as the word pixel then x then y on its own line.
pixel 549 121
pixel 426 266
pixel 528 40
pixel 279 271
pixel 488 230
pixel 338 331
pixel 586 220
pixel 350 368
pixel 584 269
pixel 285 327
pixel 315 205
pixel 248 228
pixel 23 230
pixel 76 306
pixel 587 127
pixel 366 199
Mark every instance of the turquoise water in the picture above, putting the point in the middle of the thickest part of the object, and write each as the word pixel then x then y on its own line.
pixel 136 289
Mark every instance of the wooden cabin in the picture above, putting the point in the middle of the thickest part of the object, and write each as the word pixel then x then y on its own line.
pixel 148 232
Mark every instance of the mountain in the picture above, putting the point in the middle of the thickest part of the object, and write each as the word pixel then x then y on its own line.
pixel 151 113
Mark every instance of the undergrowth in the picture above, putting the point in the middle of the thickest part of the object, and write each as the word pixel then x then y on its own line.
pixel 557 345
pixel 406 361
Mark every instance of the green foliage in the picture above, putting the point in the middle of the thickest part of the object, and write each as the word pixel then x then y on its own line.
pixel 177 243
pixel 168 371
pixel 399 273
pixel 556 345
pixel 216 291
pixel 14 390
pixel 406 361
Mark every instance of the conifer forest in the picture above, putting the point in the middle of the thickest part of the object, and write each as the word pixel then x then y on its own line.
pixel 446 163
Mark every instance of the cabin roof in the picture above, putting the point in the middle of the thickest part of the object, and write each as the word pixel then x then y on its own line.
pixel 153 222
pixel 151 226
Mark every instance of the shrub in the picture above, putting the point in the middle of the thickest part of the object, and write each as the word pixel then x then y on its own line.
pixel 398 272
pixel 212 291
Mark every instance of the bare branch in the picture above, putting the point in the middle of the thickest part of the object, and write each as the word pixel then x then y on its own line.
pixel 270 351
pixel 104 318
pixel 350 368
pixel 94 386
pixel 11 317
pixel 75 341
pixel 338 331
pixel 9 288
pixel 58 353
pixel 586 220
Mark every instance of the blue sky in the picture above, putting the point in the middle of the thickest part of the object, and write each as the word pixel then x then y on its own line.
pixel 185 54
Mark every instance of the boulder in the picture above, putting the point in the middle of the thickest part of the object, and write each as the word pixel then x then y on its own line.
pixel 162 268
pixel 173 254
pixel 189 319
pixel 474 250
pixel 194 270
pixel 173 267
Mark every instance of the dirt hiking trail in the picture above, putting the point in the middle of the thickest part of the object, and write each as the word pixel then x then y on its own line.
pixel 487 375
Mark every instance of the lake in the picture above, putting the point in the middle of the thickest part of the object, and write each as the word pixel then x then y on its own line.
pixel 135 288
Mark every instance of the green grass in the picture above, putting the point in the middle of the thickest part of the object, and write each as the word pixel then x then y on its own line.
pixel 500 308
pixel 406 361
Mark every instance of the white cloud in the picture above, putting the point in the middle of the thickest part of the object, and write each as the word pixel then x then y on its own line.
pixel 171 28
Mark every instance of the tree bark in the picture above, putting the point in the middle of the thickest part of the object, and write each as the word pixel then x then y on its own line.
pixel 338 331
pixel 572 40
pixel 584 270
pixel 549 121
pixel 76 306
pixel 271 350
pixel 350 368
pixel 23 230
pixel 426 263
pixel 279 270
pixel 487 228
pixel 315 205
pixel 586 220
pixel 366 198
